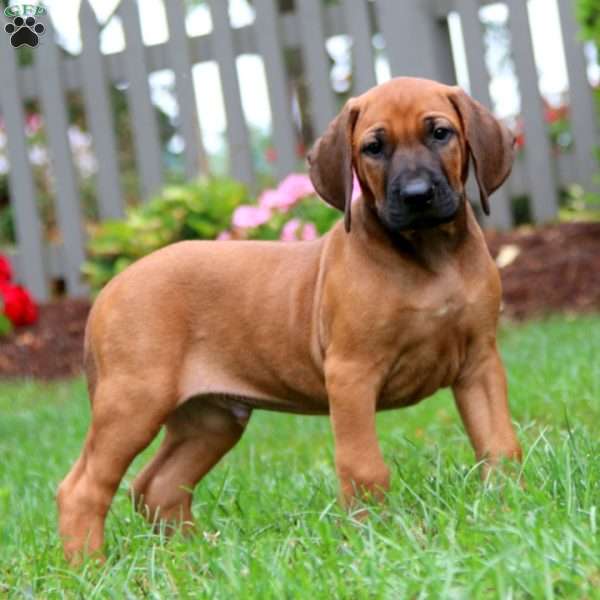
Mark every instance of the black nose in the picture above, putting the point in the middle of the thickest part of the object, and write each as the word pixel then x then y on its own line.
pixel 418 192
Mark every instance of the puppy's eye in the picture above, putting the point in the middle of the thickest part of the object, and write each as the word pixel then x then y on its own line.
pixel 442 134
pixel 373 148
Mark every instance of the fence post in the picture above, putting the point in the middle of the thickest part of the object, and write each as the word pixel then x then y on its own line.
pixel 544 203
pixel 315 62
pixel 67 200
pixel 270 47
pixel 240 149
pixel 145 128
pixel 468 11
pixel 188 122
pixel 417 42
pixel 363 56
pixel 99 115
pixel 22 188
pixel 583 113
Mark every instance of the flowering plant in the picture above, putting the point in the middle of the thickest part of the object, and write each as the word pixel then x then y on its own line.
pixel 17 306
pixel 289 212
pixel 195 211
pixel 205 210
pixel 40 160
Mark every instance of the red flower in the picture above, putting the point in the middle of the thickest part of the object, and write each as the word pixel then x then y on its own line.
pixel 554 114
pixel 19 307
pixel 5 270
pixel 519 140
pixel 271 154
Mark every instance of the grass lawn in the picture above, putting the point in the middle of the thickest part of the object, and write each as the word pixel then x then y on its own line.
pixel 269 525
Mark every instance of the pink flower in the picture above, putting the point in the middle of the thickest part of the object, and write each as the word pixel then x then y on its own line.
pixel 356 191
pixel 33 123
pixel 309 232
pixel 272 199
pixel 293 188
pixel 247 216
pixel 289 232
pixel 224 236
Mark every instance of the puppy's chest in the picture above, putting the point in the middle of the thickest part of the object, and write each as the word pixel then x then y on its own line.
pixel 431 335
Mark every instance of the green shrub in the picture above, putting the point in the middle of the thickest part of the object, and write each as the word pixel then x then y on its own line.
pixel 588 14
pixel 199 210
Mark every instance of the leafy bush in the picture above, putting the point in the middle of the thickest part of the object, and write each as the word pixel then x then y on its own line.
pixel 577 204
pixel 198 210
pixel 588 14
pixel 210 209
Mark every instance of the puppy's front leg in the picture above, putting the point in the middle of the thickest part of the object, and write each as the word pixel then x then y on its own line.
pixel 352 405
pixel 482 400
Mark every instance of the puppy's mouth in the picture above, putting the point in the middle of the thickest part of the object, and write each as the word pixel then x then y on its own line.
pixel 397 217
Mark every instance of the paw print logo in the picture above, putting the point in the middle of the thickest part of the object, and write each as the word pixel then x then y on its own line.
pixel 25 32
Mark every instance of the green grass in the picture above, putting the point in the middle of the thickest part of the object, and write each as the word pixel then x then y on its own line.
pixel 269 525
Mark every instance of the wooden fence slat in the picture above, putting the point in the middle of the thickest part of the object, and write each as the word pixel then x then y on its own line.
pixel 544 201
pixel 583 114
pixel 268 40
pixel 417 44
pixel 316 64
pixel 189 124
pixel 442 52
pixel 200 46
pixel 240 149
pixel 99 116
pixel 363 56
pixel 143 116
pixel 472 29
pixel 22 187
pixel 66 199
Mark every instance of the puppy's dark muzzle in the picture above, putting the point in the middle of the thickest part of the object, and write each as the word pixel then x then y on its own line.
pixel 418 199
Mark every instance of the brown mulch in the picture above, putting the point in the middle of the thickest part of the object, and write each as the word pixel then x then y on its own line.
pixel 50 349
pixel 550 270
pixel 557 269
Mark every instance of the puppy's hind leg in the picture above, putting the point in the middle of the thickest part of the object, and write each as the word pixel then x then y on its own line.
pixel 198 435
pixel 127 413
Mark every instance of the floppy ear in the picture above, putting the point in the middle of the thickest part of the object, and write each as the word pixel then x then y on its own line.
pixel 489 142
pixel 330 162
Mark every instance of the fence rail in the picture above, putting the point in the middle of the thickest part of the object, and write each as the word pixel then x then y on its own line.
pixel 417 42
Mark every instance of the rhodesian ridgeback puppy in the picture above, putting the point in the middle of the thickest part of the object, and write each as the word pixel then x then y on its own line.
pixel 395 302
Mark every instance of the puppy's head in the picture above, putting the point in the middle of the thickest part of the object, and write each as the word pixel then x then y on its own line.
pixel 409 141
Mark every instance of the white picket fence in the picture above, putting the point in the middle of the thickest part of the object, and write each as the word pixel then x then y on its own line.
pixel 417 43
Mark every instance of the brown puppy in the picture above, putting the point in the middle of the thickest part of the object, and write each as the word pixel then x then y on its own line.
pixel 378 314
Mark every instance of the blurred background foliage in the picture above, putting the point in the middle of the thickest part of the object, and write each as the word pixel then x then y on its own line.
pixel 211 208
pixel 204 209
pixel 588 14
pixel 192 211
